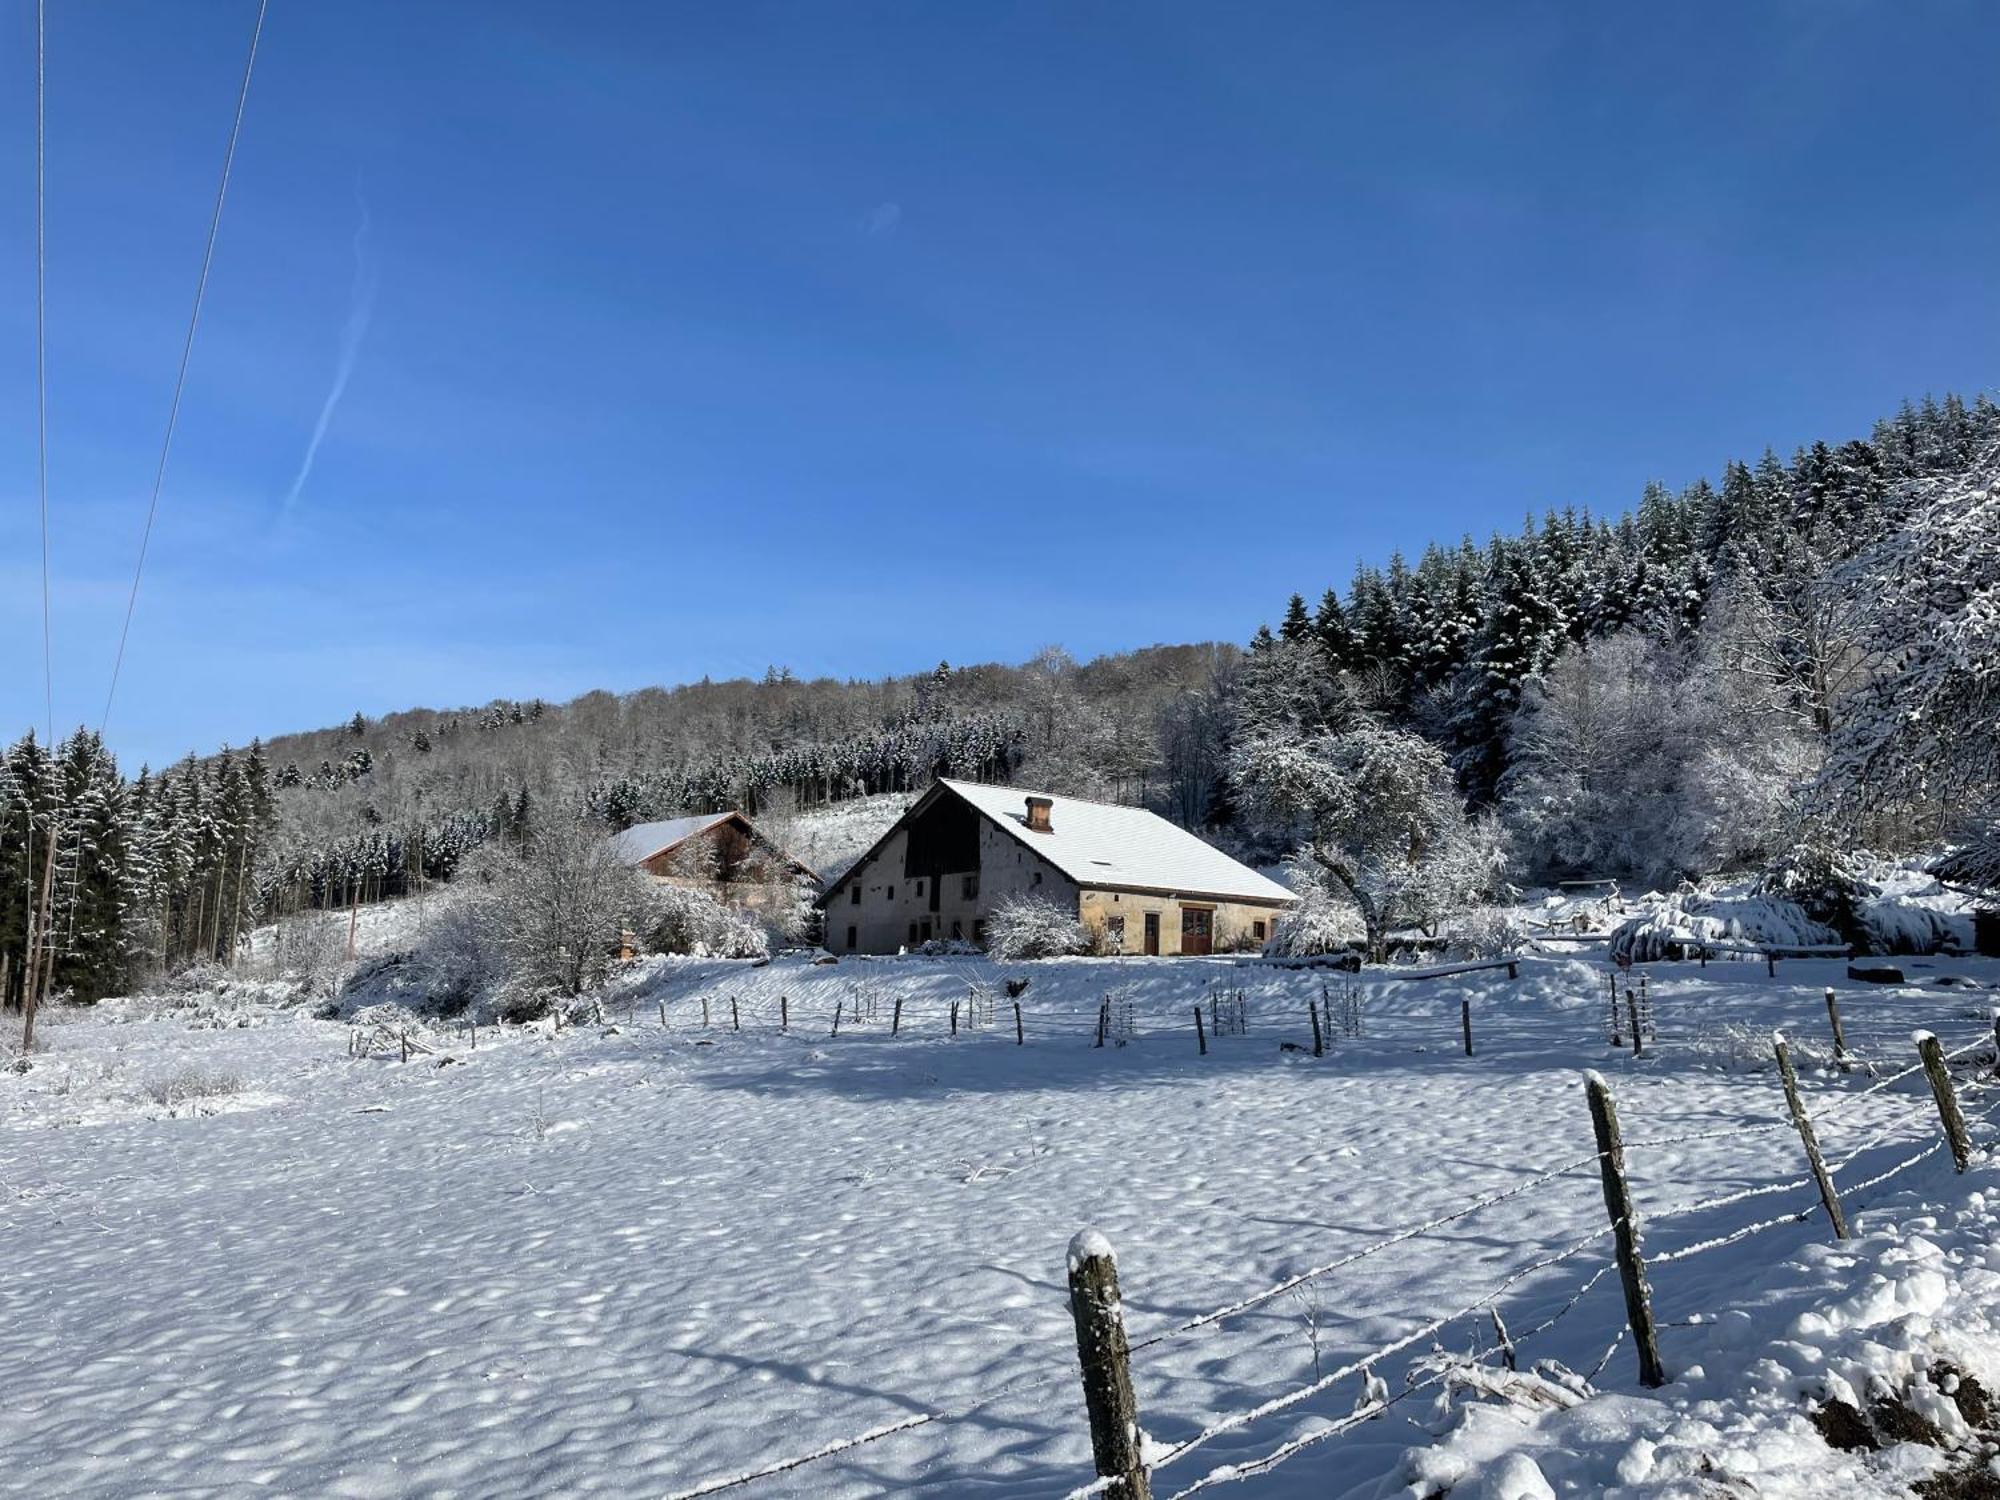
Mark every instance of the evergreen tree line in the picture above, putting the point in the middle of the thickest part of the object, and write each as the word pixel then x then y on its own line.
pixel 149 874
pixel 1448 646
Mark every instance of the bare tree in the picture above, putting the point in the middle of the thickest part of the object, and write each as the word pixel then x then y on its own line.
pixel 561 905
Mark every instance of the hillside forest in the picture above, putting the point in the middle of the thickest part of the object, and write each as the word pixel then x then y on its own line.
pixel 1774 668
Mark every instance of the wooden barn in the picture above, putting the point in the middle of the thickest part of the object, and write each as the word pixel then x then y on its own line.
pixel 1145 885
pixel 721 853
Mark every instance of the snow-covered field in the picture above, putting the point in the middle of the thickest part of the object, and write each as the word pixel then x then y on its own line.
pixel 630 1258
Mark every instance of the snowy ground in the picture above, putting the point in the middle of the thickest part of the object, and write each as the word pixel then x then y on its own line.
pixel 632 1258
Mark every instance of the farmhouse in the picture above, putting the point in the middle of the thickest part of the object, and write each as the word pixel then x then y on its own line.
pixel 721 853
pixel 963 848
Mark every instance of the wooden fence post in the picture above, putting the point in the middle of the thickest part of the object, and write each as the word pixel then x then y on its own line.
pixel 1200 1036
pixel 836 1015
pixel 1465 1023
pixel 1840 1053
pixel 663 1015
pixel 1771 964
pixel 1106 1359
pixel 1703 951
pixel 704 1012
pixel 404 1037
pixel 1632 1014
pixel 784 1012
pixel 1513 968
pixel 1319 1037
pixel 1617 1026
pixel 954 1018
pixel 1103 1018
pixel 896 1017
pixel 1625 1229
pixel 735 1018
pixel 1802 1122
pixel 1932 1052
pixel 1020 1035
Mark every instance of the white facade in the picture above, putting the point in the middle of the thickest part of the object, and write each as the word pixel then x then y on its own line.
pixel 1114 867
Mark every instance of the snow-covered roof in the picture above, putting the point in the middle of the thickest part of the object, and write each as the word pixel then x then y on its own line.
pixel 642 841
pixel 1104 844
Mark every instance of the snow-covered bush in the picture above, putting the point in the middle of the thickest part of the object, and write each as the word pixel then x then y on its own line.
pixel 1686 921
pixel 190 1084
pixel 307 950
pixel 1889 924
pixel 947 948
pixel 1487 932
pixel 1825 884
pixel 1034 927
pixel 796 919
pixel 1320 922
pixel 680 920
pixel 1736 1048
pixel 459 960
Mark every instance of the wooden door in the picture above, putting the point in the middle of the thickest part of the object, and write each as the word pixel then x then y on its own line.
pixel 1197 930
pixel 1153 933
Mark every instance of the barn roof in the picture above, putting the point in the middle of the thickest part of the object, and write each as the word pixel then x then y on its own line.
pixel 642 841
pixel 1105 844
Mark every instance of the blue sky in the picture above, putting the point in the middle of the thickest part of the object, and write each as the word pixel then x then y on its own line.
pixel 689 339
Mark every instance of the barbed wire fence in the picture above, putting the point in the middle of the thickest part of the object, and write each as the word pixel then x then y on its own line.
pixel 1126 1466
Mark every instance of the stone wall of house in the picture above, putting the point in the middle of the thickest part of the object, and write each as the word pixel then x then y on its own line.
pixel 1236 926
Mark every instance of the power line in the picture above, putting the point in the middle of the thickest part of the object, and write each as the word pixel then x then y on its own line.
pixel 41 349
pixel 187 353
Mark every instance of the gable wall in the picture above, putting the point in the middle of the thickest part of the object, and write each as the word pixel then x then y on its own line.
pixel 892 901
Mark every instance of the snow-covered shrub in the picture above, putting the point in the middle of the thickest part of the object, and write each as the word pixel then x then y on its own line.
pixel 307 950
pixel 1319 922
pixel 947 948
pixel 681 920
pixel 1486 932
pixel 1686 921
pixel 1034 927
pixel 796 919
pixel 1737 1048
pixel 1825 884
pixel 1889 924
pixel 190 1084
pixel 459 960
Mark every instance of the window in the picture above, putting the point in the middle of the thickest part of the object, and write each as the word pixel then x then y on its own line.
pixel 853 940
pixel 957 929
pixel 913 934
pixel 969 887
pixel 1114 929
pixel 889 892
pixel 1038 877
pixel 854 894
pixel 1257 931
pixel 924 933
pixel 920 890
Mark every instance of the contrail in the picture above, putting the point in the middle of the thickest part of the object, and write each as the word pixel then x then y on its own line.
pixel 360 309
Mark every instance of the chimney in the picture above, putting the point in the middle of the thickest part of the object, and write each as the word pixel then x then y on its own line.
pixel 1038 814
